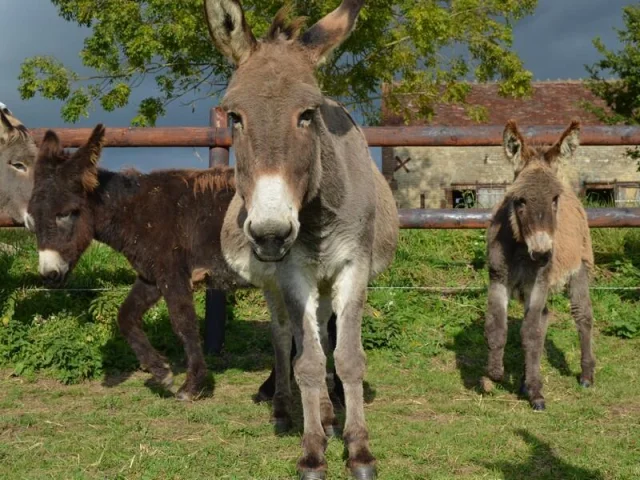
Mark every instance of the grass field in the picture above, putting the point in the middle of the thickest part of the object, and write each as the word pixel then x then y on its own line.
pixel 73 405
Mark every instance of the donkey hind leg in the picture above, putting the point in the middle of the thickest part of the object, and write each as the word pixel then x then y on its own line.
pixel 337 394
pixel 325 312
pixel 349 296
pixel 533 332
pixel 301 298
pixel 179 298
pixel 281 338
pixel 583 316
pixel 142 297
pixel 495 329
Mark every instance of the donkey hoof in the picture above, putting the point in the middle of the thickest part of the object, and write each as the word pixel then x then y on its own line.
pixel 313 475
pixel 585 383
pixel 185 396
pixel 486 385
pixel 364 472
pixel 281 425
pixel 262 396
pixel 538 405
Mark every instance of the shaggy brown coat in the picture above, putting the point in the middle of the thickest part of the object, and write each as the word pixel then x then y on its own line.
pixel 538 240
pixel 166 223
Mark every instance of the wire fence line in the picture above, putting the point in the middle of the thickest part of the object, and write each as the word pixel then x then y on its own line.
pixel 442 290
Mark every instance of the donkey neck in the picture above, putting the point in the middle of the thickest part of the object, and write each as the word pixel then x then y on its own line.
pixel 113 203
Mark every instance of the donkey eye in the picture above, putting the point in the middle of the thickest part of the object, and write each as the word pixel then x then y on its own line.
pixel 66 216
pixel 555 201
pixel 236 120
pixel 21 167
pixel 519 202
pixel 306 118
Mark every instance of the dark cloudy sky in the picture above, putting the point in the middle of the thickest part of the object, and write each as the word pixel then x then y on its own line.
pixel 554 43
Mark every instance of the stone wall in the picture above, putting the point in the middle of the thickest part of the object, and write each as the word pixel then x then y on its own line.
pixel 426 180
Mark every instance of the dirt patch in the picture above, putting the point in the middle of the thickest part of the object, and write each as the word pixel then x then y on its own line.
pixel 628 410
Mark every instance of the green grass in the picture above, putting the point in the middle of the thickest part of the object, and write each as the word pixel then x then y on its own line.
pixel 78 407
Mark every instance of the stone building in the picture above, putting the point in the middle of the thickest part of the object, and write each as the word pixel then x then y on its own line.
pixel 445 177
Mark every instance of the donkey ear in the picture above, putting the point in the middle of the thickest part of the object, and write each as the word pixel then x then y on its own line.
pixel 567 145
pixel 89 156
pixel 513 142
pixel 90 152
pixel 9 125
pixel 327 35
pixel 6 128
pixel 229 30
pixel 50 148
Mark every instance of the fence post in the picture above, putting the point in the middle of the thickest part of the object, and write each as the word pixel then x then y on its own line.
pixel 215 316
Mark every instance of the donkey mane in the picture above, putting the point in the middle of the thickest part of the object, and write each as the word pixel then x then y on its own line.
pixel 215 179
pixel 282 28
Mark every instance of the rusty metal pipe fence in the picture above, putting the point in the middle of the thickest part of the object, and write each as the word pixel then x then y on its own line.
pixel 218 138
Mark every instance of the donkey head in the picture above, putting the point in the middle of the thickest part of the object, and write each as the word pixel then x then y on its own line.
pixel 60 206
pixel 273 100
pixel 536 191
pixel 17 157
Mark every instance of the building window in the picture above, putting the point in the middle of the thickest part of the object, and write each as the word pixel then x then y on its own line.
pixel 474 195
pixel 612 194
pixel 490 196
pixel 600 195
pixel 463 198
pixel 627 195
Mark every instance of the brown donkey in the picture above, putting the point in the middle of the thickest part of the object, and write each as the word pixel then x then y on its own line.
pixel 313 219
pixel 538 240
pixel 166 223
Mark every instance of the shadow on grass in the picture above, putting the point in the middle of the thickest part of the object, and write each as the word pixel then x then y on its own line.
pixel 297 426
pixel 247 343
pixel 336 394
pixel 542 464
pixel 247 348
pixel 471 353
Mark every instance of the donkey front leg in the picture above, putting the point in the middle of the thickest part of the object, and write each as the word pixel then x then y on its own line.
pixel 495 329
pixel 349 296
pixel 300 294
pixel 533 332
pixel 583 316
pixel 179 298
pixel 281 338
pixel 142 297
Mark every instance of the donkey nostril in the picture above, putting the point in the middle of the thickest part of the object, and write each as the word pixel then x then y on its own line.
pixel 541 257
pixel 270 232
pixel 53 275
pixel 289 232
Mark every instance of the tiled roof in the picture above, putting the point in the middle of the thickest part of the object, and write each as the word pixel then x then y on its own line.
pixel 552 103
